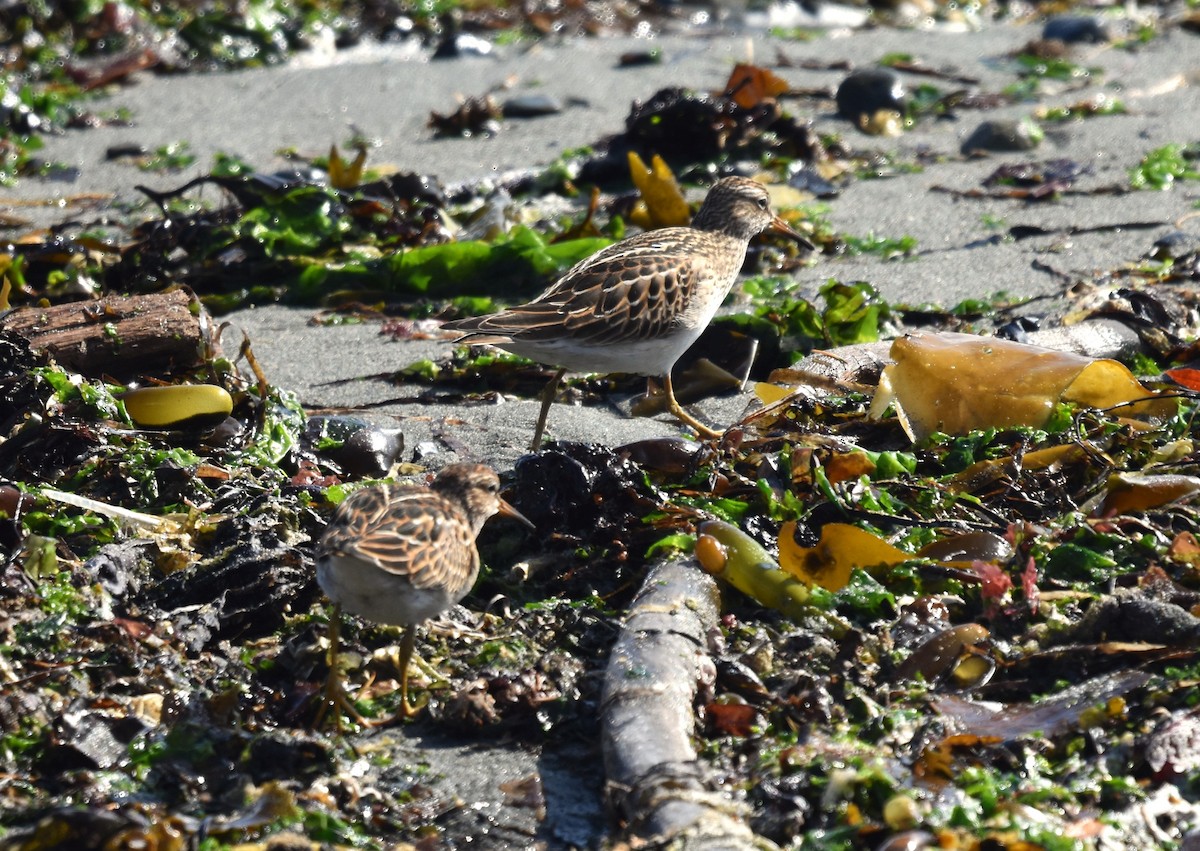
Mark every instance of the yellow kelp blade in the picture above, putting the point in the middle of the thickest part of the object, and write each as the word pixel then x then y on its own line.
pixel 1126 492
pixel 729 554
pixel 955 383
pixel 840 550
pixel 343 175
pixel 981 474
pixel 662 204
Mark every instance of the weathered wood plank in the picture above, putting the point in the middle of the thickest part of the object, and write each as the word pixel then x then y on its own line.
pixel 122 336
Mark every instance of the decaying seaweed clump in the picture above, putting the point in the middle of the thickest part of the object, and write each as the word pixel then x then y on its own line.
pixel 164 624
pixel 994 634
pixel 132 556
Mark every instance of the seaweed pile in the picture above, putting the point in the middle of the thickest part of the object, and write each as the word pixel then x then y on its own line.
pixel 974 632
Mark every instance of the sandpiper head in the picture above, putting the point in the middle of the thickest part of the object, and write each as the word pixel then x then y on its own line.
pixel 476 488
pixel 741 207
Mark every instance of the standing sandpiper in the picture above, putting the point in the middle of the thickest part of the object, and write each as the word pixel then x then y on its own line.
pixel 404 554
pixel 638 305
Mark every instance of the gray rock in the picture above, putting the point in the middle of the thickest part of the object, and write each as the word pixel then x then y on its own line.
pixel 531 105
pixel 1004 135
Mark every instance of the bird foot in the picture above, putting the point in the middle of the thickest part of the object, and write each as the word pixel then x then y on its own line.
pixel 683 416
pixel 335 704
pixel 333 698
pixel 404 712
pixel 431 674
pixel 687 419
pixel 547 396
pixel 395 657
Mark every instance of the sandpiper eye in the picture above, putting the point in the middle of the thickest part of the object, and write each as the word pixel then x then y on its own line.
pixel 762 203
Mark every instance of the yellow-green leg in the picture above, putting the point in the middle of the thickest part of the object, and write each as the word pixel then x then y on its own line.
pixel 334 696
pixel 547 397
pixel 683 416
pixel 406 710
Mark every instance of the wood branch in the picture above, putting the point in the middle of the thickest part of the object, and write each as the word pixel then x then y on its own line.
pixel 123 336
pixel 655 671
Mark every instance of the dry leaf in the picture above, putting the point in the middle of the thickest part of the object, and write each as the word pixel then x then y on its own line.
pixel 732 719
pixel 1185 548
pixel 1189 378
pixel 848 466
pixel 750 85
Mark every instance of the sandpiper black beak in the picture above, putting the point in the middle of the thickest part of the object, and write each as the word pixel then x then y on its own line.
pixel 508 511
pixel 780 226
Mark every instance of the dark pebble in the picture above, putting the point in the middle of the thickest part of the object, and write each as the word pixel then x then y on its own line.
pixel 358 446
pixel 1075 29
pixel 808 180
pixel 638 58
pixel 272 755
pixel 531 106
pixel 1174 245
pixel 868 91
pixel 117 152
pixel 85 740
pixel 1130 616
pixel 456 45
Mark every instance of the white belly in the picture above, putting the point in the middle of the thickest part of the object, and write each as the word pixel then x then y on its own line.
pixel 377 595
pixel 640 357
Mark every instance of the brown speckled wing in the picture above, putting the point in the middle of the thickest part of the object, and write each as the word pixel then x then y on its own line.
pixel 406 531
pixel 635 290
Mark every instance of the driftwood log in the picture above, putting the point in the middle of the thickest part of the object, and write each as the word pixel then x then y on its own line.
pixel 122 336
pixel 657 667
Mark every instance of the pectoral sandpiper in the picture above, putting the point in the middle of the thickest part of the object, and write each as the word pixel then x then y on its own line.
pixel 638 305
pixel 404 554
